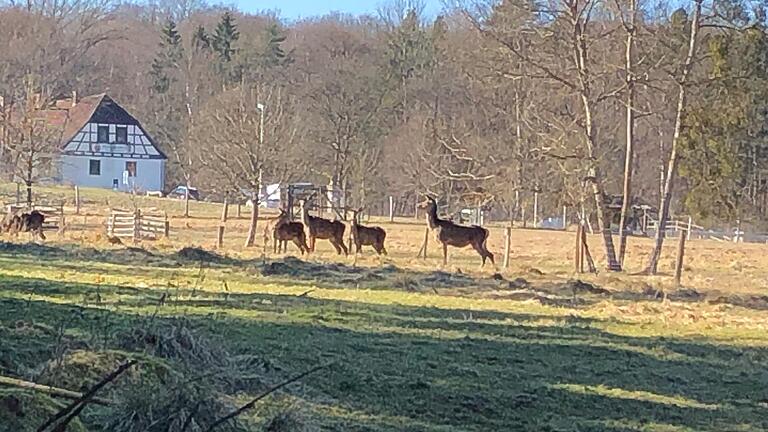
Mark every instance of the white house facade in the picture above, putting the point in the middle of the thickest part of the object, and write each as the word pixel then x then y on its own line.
pixel 104 146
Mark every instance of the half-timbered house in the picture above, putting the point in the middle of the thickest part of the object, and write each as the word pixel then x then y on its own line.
pixel 104 146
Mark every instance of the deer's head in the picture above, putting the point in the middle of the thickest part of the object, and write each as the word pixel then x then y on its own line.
pixel 428 203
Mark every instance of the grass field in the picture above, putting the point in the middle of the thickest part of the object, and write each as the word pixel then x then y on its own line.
pixel 410 347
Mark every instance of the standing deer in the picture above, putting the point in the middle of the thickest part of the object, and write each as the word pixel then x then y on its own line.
pixel 320 228
pixel 367 236
pixel 451 234
pixel 26 222
pixel 282 229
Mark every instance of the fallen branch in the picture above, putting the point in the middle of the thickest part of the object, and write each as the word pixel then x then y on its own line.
pixel 73 410
pixel 305 293
pixel 266 393
pixel 54 391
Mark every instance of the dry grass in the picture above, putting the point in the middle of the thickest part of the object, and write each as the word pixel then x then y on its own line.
pixel 418 349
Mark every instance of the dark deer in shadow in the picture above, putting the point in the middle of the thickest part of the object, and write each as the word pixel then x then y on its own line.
pixel 282 230
pixel 367 236
pixel 26 222
pixel 319 228
pixel 451 234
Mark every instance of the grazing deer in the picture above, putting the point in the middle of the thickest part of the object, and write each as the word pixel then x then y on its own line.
pixel 367 236
pixel 451 234
pixel 282 230
pixel 320 228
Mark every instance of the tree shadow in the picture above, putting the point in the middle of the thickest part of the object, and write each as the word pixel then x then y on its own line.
pixel 407 368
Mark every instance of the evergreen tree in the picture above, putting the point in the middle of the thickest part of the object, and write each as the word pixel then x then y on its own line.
pixel 165 66
pixel 223 43
pixel 726 141
pixel 224 38
pixel 274 55
pixel 200 39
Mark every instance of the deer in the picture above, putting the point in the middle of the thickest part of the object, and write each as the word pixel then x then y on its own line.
pixel 319 228
pixel 26 222
pixel 282 229
pixel 452 234
pixel 367 236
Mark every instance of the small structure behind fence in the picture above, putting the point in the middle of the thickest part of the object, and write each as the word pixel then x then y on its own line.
pixel 150 224
pixel 54 215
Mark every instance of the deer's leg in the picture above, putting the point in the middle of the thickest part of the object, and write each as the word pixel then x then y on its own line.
pixel 335 244
pixel 298 244
pixel 344 247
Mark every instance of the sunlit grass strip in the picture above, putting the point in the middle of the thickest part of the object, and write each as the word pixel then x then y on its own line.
pixel 637 395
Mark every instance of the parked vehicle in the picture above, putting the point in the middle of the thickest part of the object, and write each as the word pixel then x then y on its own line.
pixel 181 191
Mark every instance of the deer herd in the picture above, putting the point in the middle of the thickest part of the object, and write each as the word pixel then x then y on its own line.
pixel 304 234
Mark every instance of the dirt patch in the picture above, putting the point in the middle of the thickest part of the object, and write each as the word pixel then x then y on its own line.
pixel 196 254
pixel 750 302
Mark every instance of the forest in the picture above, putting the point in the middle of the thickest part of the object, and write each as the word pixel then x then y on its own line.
pixel 486 104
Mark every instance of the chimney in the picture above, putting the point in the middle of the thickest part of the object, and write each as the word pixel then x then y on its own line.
pixel 74 98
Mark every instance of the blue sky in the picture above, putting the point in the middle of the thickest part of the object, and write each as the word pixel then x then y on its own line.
pixel 293 9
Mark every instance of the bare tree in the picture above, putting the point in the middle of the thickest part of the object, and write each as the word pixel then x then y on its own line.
pixel 238 148
pixel 33 141
pixel 682 82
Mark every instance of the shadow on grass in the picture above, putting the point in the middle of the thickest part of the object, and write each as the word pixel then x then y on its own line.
pixel 568 293
pixel 403 368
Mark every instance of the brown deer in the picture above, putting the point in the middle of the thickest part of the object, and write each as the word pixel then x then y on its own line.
pixel 320 228
pixel 367 236
pixel 451 234
pixel 26 222
pixel 282 230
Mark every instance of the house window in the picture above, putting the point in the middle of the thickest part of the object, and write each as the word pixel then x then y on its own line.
pixel 94 167
pixel 102 134
pixel 121 134
pixel 130 167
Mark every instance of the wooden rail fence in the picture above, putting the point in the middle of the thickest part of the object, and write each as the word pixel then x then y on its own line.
pixel 149 224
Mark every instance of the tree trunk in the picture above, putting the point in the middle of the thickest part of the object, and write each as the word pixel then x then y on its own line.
pixel 580 58
pixel 252 226
pixel 29 192
pixel 186 201
pixel 629 156
pixel 666 198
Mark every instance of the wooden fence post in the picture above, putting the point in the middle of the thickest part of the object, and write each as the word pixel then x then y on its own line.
pixel 18 193
pixel 77 200
pixel 416 210
pixel 507 244
pixel 111 227
pixel 137 226
pixel 577 258
pixel 62 220
pixel 239 214
pixel 535 209
pixel 391 208
pixel 220 237
pixel 220 231
pixel 680 257
pixel 167 227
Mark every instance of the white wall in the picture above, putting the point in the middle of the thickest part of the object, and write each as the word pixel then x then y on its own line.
pixel 150 173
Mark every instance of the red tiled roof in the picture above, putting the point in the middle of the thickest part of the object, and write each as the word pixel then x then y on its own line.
pixel 71 118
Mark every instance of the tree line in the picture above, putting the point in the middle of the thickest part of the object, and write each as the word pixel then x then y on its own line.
pixel 483 105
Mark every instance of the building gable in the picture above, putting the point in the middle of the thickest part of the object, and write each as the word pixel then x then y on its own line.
pixel 98 126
